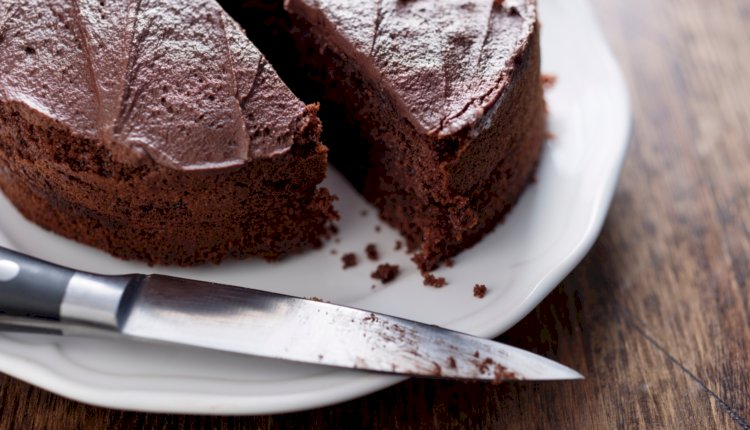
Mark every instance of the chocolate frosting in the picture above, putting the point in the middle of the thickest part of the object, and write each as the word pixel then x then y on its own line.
pixel 176 80
pixel 443 63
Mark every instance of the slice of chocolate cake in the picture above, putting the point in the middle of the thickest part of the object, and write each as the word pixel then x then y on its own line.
pixel 156 131
pixel 433 109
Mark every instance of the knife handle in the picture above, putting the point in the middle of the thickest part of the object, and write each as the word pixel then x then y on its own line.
pixel 30 287
pixel 34 289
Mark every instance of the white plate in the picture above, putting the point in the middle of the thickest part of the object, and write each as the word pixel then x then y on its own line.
pixel 544 237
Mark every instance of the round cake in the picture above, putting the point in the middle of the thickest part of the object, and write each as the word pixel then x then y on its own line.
pixel 156 130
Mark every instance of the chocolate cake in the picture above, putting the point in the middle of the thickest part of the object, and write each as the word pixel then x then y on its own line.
pixel 432 109
pixel 156 131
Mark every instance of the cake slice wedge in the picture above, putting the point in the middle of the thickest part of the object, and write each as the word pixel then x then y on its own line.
pixel 434 110
pixel 156 131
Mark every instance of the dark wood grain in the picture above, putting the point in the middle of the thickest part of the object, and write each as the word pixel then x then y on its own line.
pixel 658 314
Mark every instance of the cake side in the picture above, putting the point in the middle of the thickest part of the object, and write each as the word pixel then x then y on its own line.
pixel 442 201
pixel 268 208
pixel 486 177
pixel 156 131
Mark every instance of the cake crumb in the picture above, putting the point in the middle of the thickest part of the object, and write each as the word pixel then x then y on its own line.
pixel 385 272
pixel 372 252
pixel 349 260
pixel 336 240
pixel 449 262
pixel 334 252
pixel 451 362
pixel 480 290
pixel 377 229
pixel 548 81
pixel 431 280
pixel 398 246
pixel 317 299
pixel 364 212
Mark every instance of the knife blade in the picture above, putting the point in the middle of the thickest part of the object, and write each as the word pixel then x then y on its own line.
pixel 40 297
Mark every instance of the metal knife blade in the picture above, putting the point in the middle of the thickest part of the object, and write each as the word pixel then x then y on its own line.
pixel 247 321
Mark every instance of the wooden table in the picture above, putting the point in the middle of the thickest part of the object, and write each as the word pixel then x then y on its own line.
pixel 657 316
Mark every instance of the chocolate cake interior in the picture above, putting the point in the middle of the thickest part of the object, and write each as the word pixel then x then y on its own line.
pixel 442 182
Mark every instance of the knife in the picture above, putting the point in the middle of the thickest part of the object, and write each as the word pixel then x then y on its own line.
pixel 40 297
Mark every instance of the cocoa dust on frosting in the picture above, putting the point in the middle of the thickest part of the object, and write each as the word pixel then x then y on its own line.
pixel 177 81
pixel 460 47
